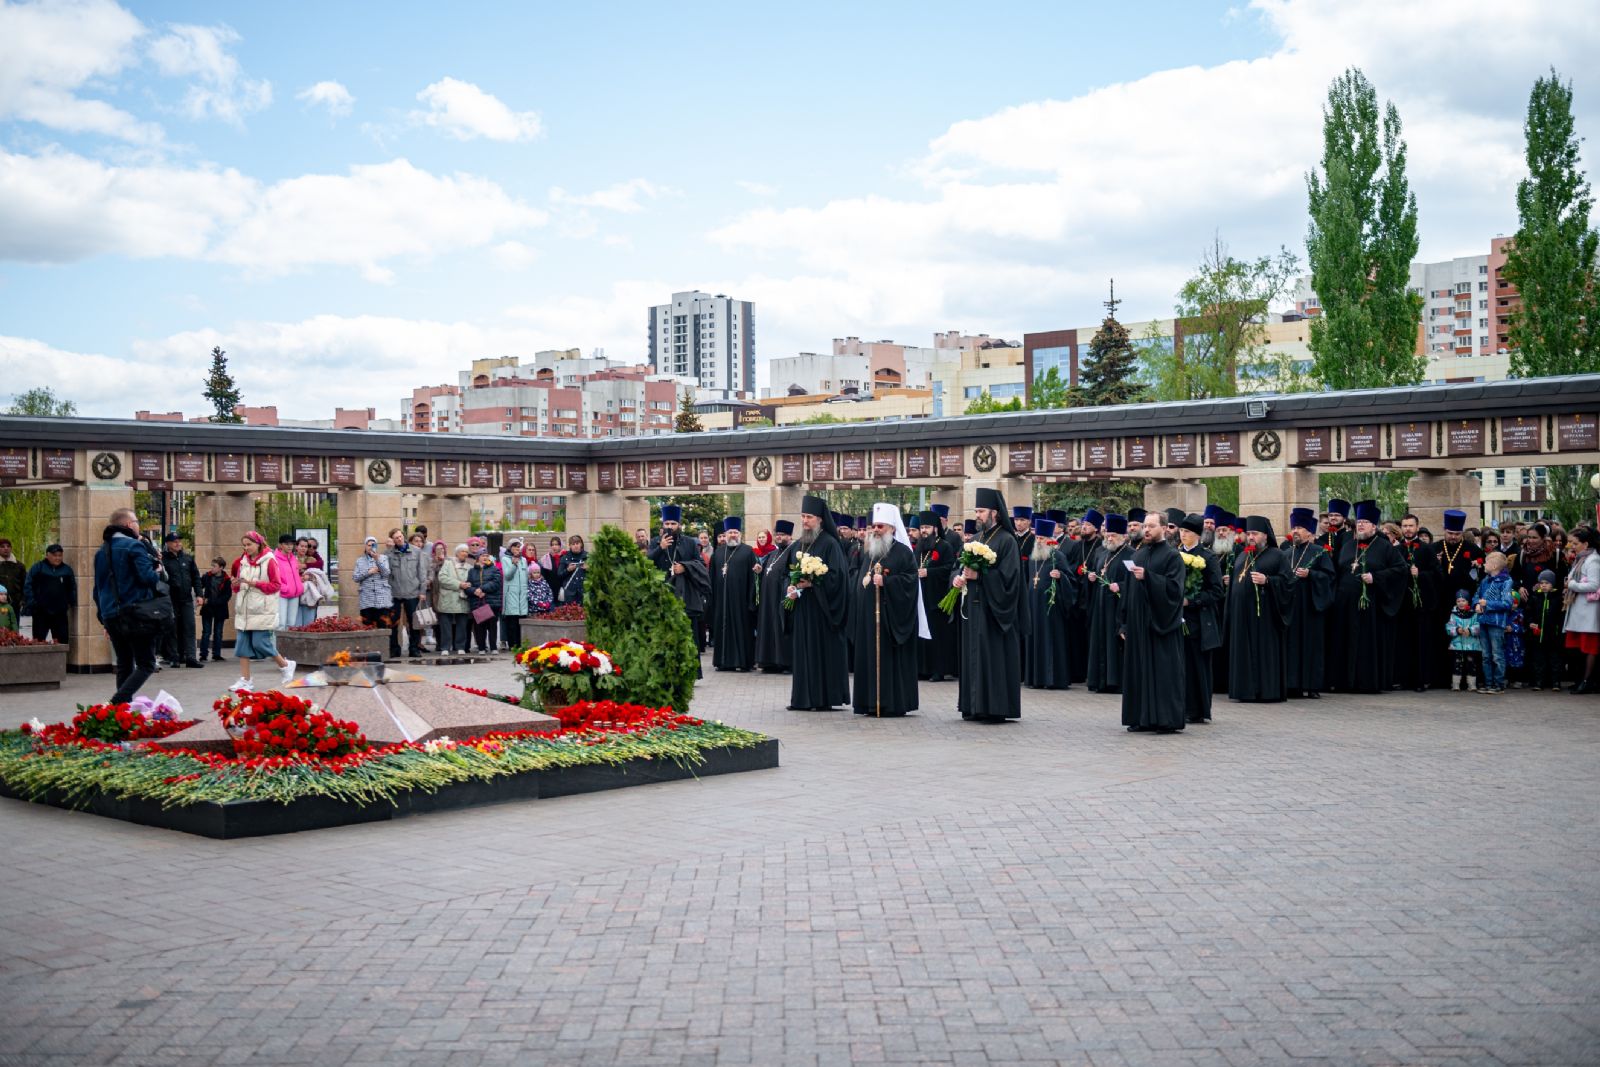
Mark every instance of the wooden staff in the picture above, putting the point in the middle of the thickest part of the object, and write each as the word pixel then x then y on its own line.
pixel 877 637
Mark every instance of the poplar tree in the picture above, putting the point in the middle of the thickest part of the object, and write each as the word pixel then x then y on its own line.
pixel 1362 238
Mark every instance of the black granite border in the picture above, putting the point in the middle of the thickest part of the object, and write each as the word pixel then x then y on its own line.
pixel 262 818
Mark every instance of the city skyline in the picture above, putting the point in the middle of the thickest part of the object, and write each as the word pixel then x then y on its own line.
pixel 313 189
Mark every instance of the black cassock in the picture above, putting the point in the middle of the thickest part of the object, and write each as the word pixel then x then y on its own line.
pixel 693 586
pixel 1460 567
pixel 1365 637
pixel 733 629
pixel 1047 664
pixel 1077 553
pixel 821 656
pixel 1313 596
pixel 895 641
pixel 937 655
pixel 774 642
pixel 1219 658
pixel 1258 624
pixel 992 634
pixel 854 556
pixel 1152 610
pixel 1202 620
pixel 1418 623
pixel 1105 643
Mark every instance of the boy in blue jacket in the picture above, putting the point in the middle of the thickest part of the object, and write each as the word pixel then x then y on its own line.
pixel 1494 604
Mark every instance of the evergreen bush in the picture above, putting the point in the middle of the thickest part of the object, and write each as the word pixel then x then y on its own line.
pixel 633 614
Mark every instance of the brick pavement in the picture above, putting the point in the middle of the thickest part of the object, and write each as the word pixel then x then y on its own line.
pixel 1400 880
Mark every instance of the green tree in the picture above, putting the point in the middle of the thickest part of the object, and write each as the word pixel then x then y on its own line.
pixel 688 420
pixel 1570 497
pixel 701 511
pixel 42 401
pixel 1111 373
pixel 1049 391
pixel 632 614
pixel 819 419
pixel 221 392
pixel 984 404
pixel 1551 260
pixel 1362 238
pixel 30 517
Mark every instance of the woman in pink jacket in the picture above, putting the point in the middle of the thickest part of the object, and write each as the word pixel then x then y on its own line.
pixel 289 584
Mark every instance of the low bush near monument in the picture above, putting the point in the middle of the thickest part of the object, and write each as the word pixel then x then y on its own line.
pixel 633 613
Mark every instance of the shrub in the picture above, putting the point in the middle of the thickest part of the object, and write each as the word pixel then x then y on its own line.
pixel 633 614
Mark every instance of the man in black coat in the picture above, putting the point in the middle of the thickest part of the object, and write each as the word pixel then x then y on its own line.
pixel 1152 629
pixel 887 617
pixel 183 579
pixel 679 556
pixel 49 595
pixel 936 561
pixel 774 642
pixel 1258 617
pixel 1202 615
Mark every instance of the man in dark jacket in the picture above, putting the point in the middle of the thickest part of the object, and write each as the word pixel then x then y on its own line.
pixel 49 594
pixel 125 574
pixel 183 578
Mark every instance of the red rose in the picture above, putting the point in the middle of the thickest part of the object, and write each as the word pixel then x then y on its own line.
pixel 934 554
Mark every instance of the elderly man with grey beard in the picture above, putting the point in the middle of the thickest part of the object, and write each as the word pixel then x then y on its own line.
pixel 886 618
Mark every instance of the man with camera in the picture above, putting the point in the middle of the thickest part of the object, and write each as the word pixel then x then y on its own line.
pixel 680 558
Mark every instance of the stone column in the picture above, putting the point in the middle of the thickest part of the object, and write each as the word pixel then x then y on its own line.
pixel 1273 491
pixel 766 504
pixel 1431 492
pixel 85 511
pixel 220 522
pixel 362 513
pixel 1016 490
pixel 1160 493
pixel 588 512
pixel 448 519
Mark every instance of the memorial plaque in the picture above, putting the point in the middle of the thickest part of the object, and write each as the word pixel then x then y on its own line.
pixel 853 466
pixel 1362 442
pixel 188 467
pixel 149 467
pixel 792 470
pixel 307 470
pixel 578 477
pixel 735 471
pixel 342 470
pixel 447 472
pixel 1463 437
pixel 632 475
pixel 1058 455
pixel 1316 446
pixel 269 469
pixel 1019 457
pixel 1575 433
pixel 1411 440
pixel 480 474
pixel 919 463
pixel 57 463
pixel 1097 453
pixel 413 472
pixel 13 463
pixel 1225 449
pixel 655 474
pixel 514 475
pixel 230 468
pixel 1520 435
pixel 710 472
pixel 1139 451
pixel 606 476
pixel 885 466
pixel 1181 450
pixel 951 462
pixel 546 476
pixel 822 466
pixel 683 472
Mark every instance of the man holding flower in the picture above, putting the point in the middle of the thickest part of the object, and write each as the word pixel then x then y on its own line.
pixel 820 591
pixel 993 627
pixel 1259 602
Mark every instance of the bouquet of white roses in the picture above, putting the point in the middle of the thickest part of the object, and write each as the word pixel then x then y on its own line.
pixel 976 556
pixel 803 568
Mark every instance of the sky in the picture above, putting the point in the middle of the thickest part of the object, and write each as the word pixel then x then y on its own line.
pixel 357 199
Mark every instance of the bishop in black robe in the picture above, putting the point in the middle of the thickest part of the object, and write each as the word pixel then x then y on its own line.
pixel 1368 564
pixel 774 641
pixel 885 619
pixel 1107 575
pixel 1047 663
pixel 821 679
pixel 936 561
pixel 1258 618
pixel 1202 622
pixel 734 624
pixel 1152 608
pixel 1311 582
pixel 992 631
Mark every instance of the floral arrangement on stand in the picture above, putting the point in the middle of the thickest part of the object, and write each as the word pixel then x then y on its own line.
pixel 564 613
pixel 334 624
pixel 975 556
pixel 12 639
pixel 558 673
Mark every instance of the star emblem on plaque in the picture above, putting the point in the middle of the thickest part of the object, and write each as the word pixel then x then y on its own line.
pixel 762 468
pixel 984 458
pixel 105 466
pixel 1266 445
pixel 379 472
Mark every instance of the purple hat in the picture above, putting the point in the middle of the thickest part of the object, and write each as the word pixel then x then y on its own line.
pixel 1304 518
pixel 970 526
pixel 1117 524
pixel 671 513
pixel 732 522
pixel 1455 521
pixel 1094 518
pixel 1022 511
pixel 1367 511
pixel 941 510
pixel 1339 507
pixel 1044 527
pixel 1214 512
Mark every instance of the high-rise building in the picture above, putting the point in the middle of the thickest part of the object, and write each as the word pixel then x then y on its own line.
pixel 709 340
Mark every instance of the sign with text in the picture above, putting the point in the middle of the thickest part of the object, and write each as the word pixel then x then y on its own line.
pixel 1463 437
pixel 682 473
pixel 1316 445
pixel 606 476
pixel 269 469
pixel 57 463
pixel 413 472
pixel 710 472
pixel 1058 455
pixel 919 463
pixel 1181 450
pixel 480 474
pixel 1575 433
pixel 514 475
pixel 1139 451
pixel 342 470
pixel 1411 440
pixel 13 463
pixel 655 474
pixel 447 472
pixel 546 476
pixel 1019 457
pixel 1225 449
pixel 885 466
pixel 1097 454
pixel 307 470
pixel 578 477
pixel 632 475
pixel 1520 435
pixel 952 464
pixel 822 466
pixel 792 470
pixel 1362 442
pixel 853 466
pixel 735 470
pixel 188 467
pixel 149 466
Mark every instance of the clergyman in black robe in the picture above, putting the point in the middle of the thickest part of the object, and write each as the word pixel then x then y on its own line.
pixel 887 619
pixel 1460 567
pixel 936 561
pixel 734 625
pixel 993 628
pixel 821 679
pixel 1258 617
pixel 1417 622
pixel 1047 664
pixel 1152 619
pixel 774 641
pixel 1202 621
pixel 1078 552
pixel 1372 577
pixel 1107 575
pixel 678 555
pixel 1312 580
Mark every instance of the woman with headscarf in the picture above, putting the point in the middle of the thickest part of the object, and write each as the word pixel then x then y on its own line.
pixel 450 601
pixel 764 545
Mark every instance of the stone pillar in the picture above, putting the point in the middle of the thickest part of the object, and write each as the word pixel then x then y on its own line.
pixel 1159 493
pixel 363 513
pixel 1431 492
pixel 1273 491
pixel 85 511
pixel 220 522
pixel 448 519
pixel 1016 490
pixel 766 504
pixel 588 512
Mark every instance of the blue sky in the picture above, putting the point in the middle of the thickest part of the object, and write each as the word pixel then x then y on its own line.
pixel 394 189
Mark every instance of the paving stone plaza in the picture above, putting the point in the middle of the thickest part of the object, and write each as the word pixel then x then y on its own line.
pixel 1402 880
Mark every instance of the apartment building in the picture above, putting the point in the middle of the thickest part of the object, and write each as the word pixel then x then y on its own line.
pixel 709 340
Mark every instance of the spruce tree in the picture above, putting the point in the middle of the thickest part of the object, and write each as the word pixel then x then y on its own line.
pixel 632 613
pixel 1360 244
pixel 688 420
pixel 1108 376
pixel 1551 261
pixel 221 391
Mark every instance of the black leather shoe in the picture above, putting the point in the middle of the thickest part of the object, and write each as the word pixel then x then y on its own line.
pixel 194 663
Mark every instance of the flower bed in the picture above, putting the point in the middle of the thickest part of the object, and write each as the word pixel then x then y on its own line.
pixel 311 648
pixel 540 629
pixel 333 624
pixel 26 664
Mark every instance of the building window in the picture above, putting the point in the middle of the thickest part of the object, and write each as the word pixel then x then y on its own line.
pixel 1483 268
pixel 1483 287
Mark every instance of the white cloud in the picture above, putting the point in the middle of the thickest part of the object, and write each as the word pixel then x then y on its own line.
pixel 465 112
pixel 513 255
pixel 757 188
pixel 625 196
pixel 60 207
pixel 220 90
pixel 102 386
pixel 51 51
pixel 331 95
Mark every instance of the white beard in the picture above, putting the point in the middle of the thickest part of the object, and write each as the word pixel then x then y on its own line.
pixel 1042 550
pixel 878 547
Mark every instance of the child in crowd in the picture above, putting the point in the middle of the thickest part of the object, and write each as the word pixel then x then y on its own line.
pixel 216 590
pixel 1545 639
pixel 8 612
pixel 1494 605
pixel 1462 626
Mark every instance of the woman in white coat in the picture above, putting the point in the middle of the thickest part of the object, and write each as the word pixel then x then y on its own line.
pixel 1583 607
